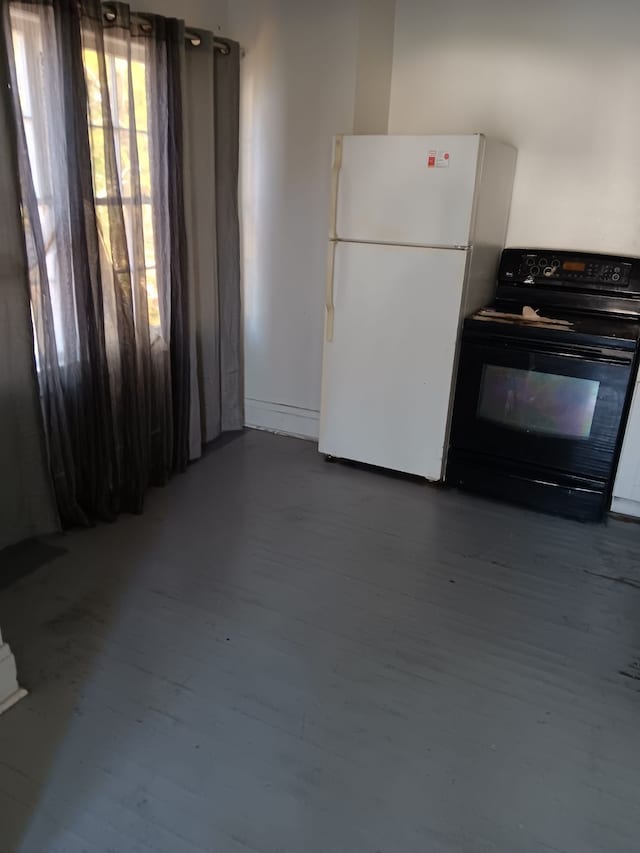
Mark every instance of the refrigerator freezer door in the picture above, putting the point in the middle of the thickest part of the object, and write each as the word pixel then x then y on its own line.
pixel 388 372
pixel 409 190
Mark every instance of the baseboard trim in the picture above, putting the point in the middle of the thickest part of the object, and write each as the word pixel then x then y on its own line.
pixel 624 506
pixel 282 418
pixel 10 701
pixel 10 692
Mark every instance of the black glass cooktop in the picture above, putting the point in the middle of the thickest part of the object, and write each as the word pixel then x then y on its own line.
pixel 588 329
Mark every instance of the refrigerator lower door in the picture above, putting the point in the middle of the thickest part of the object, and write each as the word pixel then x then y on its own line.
pixel 416 190
pixel 388 370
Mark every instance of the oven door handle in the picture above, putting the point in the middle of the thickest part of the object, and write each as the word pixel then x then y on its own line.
pixel 618 358
pixel 601 355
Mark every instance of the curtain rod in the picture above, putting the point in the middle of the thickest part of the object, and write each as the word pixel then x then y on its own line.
pixel 110 15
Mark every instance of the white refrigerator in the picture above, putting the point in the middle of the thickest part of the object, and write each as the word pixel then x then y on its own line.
pixel 416 227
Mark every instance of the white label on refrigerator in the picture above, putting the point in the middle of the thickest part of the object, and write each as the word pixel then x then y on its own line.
pixel 442 160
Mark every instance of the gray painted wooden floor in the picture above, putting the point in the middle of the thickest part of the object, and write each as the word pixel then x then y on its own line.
pixel 287 656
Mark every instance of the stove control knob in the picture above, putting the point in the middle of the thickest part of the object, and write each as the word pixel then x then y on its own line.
pixel 535 270
pixel 548 271
pixel 615 277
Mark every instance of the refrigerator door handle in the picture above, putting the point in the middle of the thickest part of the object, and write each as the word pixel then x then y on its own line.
pixel 331 259
pixel 333 233
pixel 335 177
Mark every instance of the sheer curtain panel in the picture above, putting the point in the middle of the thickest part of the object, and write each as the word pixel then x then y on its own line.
pixel 26 501
pixel 103 137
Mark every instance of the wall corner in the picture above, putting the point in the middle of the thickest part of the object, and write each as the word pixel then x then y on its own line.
pixel 376 26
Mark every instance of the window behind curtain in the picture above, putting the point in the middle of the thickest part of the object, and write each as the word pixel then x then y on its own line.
pixel 128 90
pixel 127 81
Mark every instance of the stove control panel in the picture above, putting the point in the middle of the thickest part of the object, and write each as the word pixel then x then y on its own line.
pixel 551 267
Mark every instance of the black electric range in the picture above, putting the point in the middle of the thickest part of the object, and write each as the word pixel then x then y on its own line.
pixel 544 382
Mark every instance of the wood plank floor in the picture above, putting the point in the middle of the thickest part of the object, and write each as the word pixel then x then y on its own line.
pixel 287 656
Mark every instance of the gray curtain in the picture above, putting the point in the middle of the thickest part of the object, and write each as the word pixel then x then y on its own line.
pixel 227 117
pixel 211 75
pixel 131 310
pixel 26 500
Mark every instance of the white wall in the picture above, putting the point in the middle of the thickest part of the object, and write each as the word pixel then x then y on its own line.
pixel 299 81
pixel 557 78
pixel 375 63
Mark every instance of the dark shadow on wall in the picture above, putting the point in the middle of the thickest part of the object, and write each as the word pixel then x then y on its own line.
pixel 22 559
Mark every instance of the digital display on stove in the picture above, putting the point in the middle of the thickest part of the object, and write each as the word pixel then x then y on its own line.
pixel 574 266
pixel 536 402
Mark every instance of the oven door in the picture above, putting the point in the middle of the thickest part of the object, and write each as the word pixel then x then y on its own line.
pixel 542 404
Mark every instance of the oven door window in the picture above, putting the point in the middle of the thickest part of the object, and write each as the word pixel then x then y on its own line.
pixel 536 406
pixel 536 402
